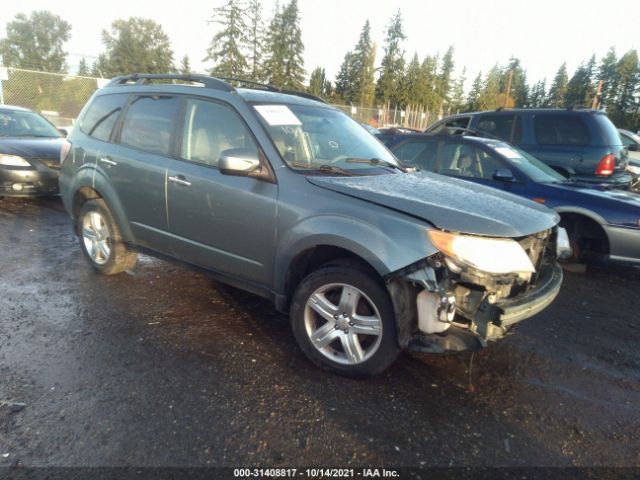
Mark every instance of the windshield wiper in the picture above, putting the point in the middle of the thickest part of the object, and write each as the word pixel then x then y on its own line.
pixel 324 168
pixel 376 161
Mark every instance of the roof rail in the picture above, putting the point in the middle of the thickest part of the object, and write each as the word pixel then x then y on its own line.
pixel 145 78
pixel 216 83
pixel 273 88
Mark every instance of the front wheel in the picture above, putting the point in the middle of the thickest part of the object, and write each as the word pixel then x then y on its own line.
pixel 101 241
pixel 343 320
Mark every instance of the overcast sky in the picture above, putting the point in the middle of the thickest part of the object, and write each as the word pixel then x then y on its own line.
pixel 542 33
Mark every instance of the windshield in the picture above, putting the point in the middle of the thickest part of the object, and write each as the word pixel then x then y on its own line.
pixel 527 164
pixel 324 140
pixel 17 123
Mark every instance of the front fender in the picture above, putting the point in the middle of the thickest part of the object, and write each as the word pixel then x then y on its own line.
pixel 400 243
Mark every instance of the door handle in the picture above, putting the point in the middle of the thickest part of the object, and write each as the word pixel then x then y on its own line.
pixel 180 180
pixel 108 161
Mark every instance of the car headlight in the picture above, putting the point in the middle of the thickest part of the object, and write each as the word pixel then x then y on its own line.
pixel 13 161
pixel 491 255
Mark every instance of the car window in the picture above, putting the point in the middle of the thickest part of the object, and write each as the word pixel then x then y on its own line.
pixel 505 127
pixel 560 130
pixel 458 122
pixel 465 160
pixel 417 153
pixel 24 123
pixel 210 129
pixel 149 123
pixel 102 115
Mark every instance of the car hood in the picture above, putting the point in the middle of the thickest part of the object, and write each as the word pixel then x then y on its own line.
pixel 30 147
pixel 447 203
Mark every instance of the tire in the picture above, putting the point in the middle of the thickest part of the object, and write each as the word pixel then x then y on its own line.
pixel 101 240
pixel 343 320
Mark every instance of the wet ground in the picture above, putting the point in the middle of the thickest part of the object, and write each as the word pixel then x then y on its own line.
pixel 162 366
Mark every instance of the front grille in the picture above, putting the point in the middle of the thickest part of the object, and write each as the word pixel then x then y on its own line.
pixel 52 163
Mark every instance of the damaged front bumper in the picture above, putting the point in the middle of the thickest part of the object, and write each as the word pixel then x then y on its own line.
pixel 479 316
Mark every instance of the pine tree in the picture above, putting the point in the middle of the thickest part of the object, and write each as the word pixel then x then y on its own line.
pixel 607 73
pixel 409 84
pixel 443 82
pixel 318 82
pixel 256 38
pixel 284 66
pixel 185 66
pixel 392 62
pixel 558 89
pixel 100 67
pixel 473 99
pixel 457 93
pixel 346 79
pixel 427 95
pixel 83 68
pixel 364 56
pixel 490 96
pixel 579 87
pixel 628 85
pixel 226 48
pixel 538 94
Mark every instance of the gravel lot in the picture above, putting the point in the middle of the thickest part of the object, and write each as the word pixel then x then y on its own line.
pixel 164 367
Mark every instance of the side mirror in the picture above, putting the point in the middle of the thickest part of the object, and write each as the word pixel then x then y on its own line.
pixel 63 132
pixel 504 175
pixel 239 161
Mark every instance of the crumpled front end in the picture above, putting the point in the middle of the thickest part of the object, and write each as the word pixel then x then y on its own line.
pixel 442 305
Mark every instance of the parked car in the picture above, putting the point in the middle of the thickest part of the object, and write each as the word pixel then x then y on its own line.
pixel 601 222
pixel 579 143
pixel 389 134
pixel 29 153
pixel 632 142
pixel 287 197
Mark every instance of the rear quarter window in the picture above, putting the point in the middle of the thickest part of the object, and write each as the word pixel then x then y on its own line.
pixel 102 115
pixel 606 132
pixel 561 130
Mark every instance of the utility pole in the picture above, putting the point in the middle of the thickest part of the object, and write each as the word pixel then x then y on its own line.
pixel 595 103
pixel 506 96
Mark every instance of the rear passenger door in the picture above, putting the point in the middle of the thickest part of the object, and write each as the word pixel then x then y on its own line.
pixel 137 166
pixel 223 222
pixel 561 139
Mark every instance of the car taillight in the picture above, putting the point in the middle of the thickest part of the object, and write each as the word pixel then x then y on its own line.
pixel 606 165
pixel 64 151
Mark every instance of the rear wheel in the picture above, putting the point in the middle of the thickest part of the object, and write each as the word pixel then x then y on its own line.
pixel 343 320
pixel 101 241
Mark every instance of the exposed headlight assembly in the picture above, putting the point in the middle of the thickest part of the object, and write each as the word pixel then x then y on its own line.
pixel 491 255
pixel 13 161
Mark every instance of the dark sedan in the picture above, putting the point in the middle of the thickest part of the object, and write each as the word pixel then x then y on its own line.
pixel 29 153
pixel 601 222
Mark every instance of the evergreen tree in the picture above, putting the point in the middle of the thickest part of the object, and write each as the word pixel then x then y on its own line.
pixel 457 93
pixel 558 89
pixel 226 48
pixel 35 42
pixel 490 96
pixel 346 79
pixel 256 38
pixel 392 66
pixel 318 82
pixel 473 99
pixel 443 82
pixel 83 68
pixel 538 95
pixel 185 66
pixel 519 90
pixel 427 95
pixel 364 56
pixel 628 86
pixel 409 84
pixel 607 73
pixel 100 67
pixel 135 45
pixel 284 66
pixel 579 87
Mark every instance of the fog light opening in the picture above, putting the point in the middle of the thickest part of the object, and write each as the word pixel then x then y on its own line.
pixel 17 187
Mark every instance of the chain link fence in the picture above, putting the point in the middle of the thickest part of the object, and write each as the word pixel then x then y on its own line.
pixel 60 97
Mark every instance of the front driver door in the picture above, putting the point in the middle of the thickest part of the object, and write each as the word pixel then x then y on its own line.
pixel 222 222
